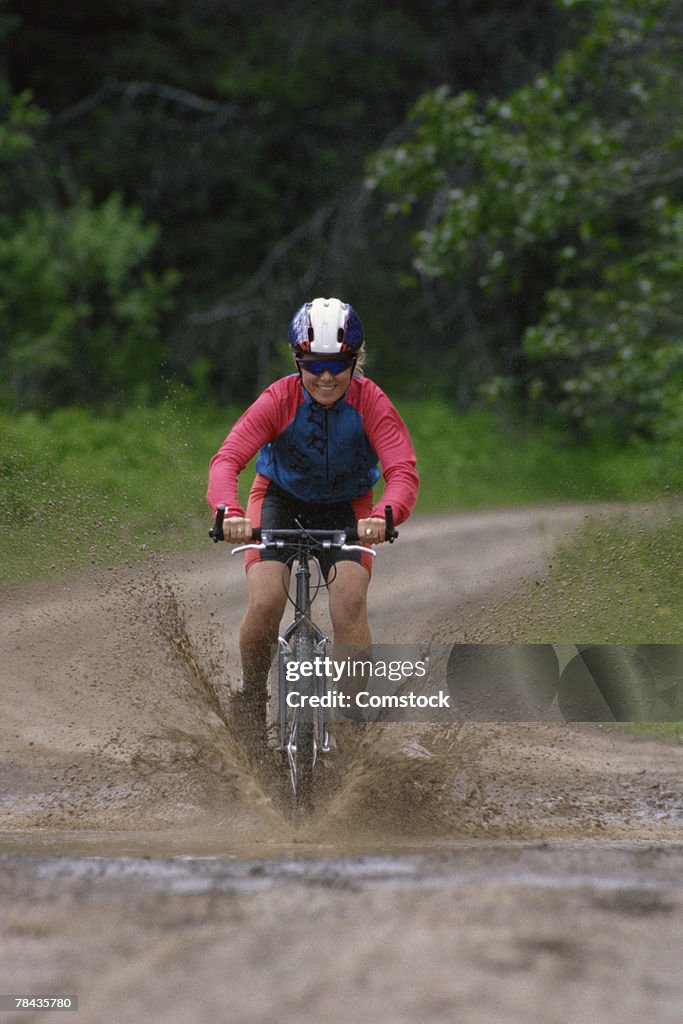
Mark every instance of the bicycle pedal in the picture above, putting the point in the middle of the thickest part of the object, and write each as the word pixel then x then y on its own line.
pixel 328 744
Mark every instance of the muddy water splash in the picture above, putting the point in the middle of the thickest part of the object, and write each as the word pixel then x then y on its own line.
pixel 112 721
pixel 117 722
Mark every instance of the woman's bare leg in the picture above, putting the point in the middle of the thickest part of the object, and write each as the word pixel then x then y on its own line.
pixel 348 593
pixel 266 583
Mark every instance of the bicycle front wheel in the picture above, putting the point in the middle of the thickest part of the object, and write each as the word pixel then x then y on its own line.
pixel 302 738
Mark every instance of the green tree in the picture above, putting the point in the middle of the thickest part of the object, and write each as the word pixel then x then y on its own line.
pixel 80 310
pixel 19 116
pixel 80 307
pixel 559 208
pixel 242 131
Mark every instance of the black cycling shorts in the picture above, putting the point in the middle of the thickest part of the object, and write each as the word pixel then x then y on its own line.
pixel 271 507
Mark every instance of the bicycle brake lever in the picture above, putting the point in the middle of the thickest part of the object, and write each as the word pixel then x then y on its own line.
pixel 359 547
pixel 248 547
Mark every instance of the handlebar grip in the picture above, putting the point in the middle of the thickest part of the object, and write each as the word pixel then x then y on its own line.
pixel 216 531
pixel 391 533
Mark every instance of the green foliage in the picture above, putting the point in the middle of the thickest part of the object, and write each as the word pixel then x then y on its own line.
pixel 241 130
pixel 80 310
pixel 613 349
pixel 564 201
pixel 78 490
pixel 618 582
pixel 19 117
pixel 473 460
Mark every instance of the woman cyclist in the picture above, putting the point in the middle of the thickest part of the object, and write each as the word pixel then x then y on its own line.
pixel 321 435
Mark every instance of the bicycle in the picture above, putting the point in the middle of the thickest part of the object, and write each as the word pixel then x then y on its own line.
pixel 302 730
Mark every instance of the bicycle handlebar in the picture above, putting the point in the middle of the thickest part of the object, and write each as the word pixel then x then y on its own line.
pixel 337 537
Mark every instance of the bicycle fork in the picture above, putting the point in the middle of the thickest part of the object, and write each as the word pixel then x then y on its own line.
pixel 301 642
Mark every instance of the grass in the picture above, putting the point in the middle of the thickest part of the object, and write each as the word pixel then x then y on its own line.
pixel 78 490
pixel 665 732
pixel 473 461
pixel 621 582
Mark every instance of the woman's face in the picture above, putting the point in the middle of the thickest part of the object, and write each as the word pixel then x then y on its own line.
pixel 325 383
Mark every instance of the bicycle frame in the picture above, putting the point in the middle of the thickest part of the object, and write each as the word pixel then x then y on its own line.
pixel 302 736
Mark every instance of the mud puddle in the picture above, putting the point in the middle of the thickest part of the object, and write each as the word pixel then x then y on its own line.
pixel 489 874
pixel 602 866
pixel 117 731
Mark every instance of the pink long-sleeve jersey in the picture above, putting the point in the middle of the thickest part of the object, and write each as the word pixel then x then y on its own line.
pixel 320 454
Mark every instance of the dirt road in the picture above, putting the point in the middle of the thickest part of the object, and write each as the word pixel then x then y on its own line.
pixel 487 873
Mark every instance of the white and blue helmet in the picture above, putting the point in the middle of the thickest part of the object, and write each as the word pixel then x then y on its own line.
pixel 326 327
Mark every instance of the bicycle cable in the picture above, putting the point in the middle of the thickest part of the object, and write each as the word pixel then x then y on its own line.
pixel 315 587
pixel 316 544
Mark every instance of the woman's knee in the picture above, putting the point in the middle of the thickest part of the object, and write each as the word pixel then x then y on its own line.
pixel 349 598
pixel 348 612
pixel 267 592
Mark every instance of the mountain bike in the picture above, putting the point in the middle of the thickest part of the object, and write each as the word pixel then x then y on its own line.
pixel 302 732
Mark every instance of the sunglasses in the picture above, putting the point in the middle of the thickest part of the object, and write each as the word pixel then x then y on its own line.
pixel 318 366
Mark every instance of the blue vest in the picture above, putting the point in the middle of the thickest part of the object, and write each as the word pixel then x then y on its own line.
pixel 323 455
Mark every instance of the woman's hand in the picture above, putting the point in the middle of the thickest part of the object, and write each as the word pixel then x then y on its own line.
pixel 371 531
pixel 236 530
